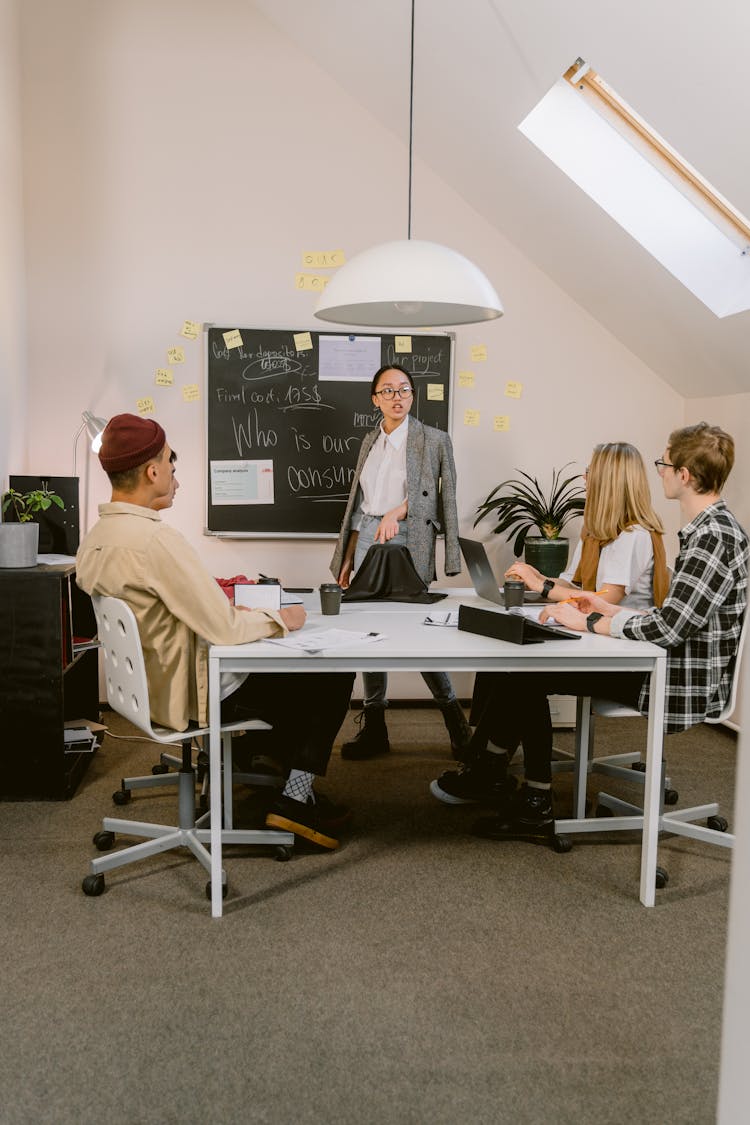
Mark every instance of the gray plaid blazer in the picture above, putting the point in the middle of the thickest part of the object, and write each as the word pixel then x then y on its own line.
pixel 431 491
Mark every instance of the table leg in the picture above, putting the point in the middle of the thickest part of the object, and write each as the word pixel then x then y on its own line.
pixel 653 782
pixel 215 797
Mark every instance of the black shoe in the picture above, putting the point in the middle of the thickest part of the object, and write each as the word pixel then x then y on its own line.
pixel 527 815
pixel 372 738
pixel 457 726
pixel 301 818
pixel 482 782
pixel 331 816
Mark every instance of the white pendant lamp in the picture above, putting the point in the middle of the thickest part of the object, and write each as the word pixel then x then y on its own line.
pixel 409 283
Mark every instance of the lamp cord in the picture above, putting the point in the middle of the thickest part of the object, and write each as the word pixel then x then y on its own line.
pixel 411 117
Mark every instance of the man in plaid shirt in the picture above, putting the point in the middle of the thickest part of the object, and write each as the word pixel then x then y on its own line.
pixel 699 623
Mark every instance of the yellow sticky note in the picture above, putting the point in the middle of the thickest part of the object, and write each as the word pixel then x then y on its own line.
pixel 145 406
pixel 466 378
pixel 501 422
pixel 191 392
pixel 514 390
pixel 314 282
pixel 302 341
pixel 164 377
pixel 471 417
pixel 403 343
pixel 190 330
pixel 326 259
pixel 435 392
pixel 233 339
pixel 478 353
pixel 176 355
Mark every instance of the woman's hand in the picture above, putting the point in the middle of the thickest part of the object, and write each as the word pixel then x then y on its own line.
pixel 591 603
pixel 345 574
pixel 388 526
pixel 529 575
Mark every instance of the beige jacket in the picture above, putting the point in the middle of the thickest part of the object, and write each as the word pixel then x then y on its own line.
pixel 131 554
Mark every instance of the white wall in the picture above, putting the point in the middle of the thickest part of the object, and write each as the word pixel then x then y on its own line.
pixel 12 326
pixel 179 157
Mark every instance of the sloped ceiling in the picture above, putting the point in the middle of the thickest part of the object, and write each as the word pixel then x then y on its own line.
pixel 480 66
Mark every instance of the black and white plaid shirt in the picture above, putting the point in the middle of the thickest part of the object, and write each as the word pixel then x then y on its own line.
pixel 700 620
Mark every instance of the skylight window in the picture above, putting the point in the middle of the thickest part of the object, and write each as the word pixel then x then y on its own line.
pixel 606 148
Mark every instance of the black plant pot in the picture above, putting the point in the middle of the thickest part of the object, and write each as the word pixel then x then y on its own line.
pixel 549 556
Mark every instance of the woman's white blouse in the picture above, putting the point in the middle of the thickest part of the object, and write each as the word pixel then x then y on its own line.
pixel 383 477
pixel 628 561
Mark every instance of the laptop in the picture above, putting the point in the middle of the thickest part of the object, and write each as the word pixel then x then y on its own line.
pixel 482 575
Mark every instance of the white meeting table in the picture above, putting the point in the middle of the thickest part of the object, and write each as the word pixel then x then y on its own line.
pixel 411 646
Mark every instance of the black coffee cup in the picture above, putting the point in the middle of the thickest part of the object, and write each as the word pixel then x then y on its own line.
pixel 513 592
pixel 330 598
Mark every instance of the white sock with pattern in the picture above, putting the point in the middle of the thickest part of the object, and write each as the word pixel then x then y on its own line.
pixel 299 785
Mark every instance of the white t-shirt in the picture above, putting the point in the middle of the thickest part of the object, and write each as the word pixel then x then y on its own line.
pixel 383 476
pixel 628 561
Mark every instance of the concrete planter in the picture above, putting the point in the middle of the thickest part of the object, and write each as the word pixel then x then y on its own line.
pixel 19 544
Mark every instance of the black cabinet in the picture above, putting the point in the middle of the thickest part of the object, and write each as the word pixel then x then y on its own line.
pixel 44 681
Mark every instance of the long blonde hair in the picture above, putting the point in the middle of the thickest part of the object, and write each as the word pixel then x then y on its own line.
pixel 617 493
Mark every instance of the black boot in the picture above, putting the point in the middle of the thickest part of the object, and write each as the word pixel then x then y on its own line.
pixel 457 727
pixel 372 738
pixel 527 815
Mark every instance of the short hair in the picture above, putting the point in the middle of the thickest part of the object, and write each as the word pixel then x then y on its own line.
pixel 389 367
pixel 127 480
pixel 707 452
pixel 617 493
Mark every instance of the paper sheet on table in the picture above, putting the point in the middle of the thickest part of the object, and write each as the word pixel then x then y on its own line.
pixel 323 640
pixel 434 618
pixel 531 611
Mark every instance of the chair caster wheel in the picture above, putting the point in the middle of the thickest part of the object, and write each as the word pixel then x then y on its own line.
pixel 671 796
pixel 93 885
pixel 639 767
pixel 282 853
pixel 561 844
pixel 717 823
pixel 159 768
pixel 224 890
pixel 662 878
pixel 103 841
pixel 121 796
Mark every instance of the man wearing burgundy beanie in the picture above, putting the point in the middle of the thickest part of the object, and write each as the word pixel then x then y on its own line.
pixel 180 609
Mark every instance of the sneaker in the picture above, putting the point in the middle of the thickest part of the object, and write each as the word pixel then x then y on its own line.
pixel 330 815
pixel 372 738
pixel 527 816
pixel 478 783
pixel 301 818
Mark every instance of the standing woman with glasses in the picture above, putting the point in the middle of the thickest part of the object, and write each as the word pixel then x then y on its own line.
pixel 404 491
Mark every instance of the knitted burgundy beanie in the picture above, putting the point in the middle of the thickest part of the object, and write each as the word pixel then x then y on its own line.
pixel 128 441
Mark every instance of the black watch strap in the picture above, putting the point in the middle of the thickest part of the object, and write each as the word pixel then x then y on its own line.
pixel 547 585
pixel 591 621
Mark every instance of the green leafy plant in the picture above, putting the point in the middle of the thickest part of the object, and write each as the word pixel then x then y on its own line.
pixel 521 505
pixel 26 505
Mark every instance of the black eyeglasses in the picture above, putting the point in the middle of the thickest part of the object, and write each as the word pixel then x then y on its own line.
pixel 660 466
pixel 388 392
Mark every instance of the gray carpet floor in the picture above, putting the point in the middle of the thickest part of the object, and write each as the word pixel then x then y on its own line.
pixel 416 975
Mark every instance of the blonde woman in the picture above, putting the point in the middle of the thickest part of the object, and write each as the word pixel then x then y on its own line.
pixel 620 556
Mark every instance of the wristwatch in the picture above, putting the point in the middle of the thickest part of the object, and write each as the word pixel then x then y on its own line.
pixel 591 621
pixel 547 585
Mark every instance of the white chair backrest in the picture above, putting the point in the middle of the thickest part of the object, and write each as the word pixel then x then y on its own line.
pixel 731 703
pixel 124 667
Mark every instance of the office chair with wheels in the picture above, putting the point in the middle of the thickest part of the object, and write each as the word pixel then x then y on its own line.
pixel 629 817
pixel 127 693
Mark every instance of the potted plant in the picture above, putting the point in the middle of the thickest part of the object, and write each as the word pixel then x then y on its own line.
pixel 19 536
pixel 520 505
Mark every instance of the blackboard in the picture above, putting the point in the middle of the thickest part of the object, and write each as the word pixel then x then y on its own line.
pixel 285 422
